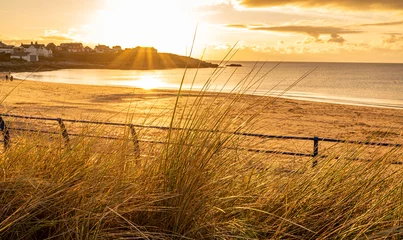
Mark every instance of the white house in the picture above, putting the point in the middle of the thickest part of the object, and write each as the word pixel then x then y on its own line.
pixel 102 49
pixel 88 49
pixel 6 49
pixel 27 56
pixel 38 49
pixel 72 47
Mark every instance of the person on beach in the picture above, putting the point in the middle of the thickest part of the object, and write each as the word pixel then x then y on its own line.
pixel 11 78
pixel 6 77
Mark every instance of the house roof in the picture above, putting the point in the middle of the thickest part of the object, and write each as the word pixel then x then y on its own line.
pixel 2 44
pixel 71 45
pixel 35 45
pixel 21 54
pixel 102 46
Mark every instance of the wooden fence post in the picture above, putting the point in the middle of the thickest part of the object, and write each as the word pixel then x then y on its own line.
pixel 64 131
pixel 135 141
pixel 6 134
pixel 315 151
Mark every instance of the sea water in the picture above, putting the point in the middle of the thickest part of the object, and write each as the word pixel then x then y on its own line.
pixel 367 84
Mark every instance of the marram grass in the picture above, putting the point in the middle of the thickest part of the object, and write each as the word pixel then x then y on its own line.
pixel 194 187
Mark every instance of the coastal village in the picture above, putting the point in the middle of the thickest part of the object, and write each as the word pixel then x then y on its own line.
pixel 33 55
pixel 34 51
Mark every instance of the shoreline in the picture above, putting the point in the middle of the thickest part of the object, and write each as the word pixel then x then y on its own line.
pixel 44 67
pixel 282 116
pixel 376 103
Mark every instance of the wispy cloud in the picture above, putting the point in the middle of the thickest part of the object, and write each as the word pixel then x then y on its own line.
pixel 34 27
pixel 346 4
pixel 48 36
pixel 55 38
pixel 236 25
pixel 383 24
pixel 73 34
pixel 314 31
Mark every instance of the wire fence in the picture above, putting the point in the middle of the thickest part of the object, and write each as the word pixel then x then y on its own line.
pixel 5 128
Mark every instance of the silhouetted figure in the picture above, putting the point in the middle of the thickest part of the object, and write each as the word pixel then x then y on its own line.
pixel 11 78
pixel 6 77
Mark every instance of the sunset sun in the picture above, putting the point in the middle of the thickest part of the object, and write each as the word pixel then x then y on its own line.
pixel 165 24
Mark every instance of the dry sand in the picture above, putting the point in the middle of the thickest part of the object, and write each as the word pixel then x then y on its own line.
pixel 281 117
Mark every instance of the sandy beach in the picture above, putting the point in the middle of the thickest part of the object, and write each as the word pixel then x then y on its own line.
pixel 277 116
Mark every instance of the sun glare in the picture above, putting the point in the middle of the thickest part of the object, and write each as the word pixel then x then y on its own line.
pixel 148 82
pixel 166 25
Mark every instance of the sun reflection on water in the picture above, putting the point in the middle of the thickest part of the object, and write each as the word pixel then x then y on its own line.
pixel 148 82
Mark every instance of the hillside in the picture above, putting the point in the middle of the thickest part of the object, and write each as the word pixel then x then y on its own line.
pixel 128 59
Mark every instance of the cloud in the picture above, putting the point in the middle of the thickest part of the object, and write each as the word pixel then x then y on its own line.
pixel 345 4
pixel 236 26
pixel 18 41
pixel 310 40
pixel 49 36
pixel 336 38
pixel 313 31
pixel 393 38
pixel 382 24
pixel 73 34
pixel 56 38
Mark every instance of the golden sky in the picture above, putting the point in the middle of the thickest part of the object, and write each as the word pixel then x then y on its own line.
pixel 274 30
